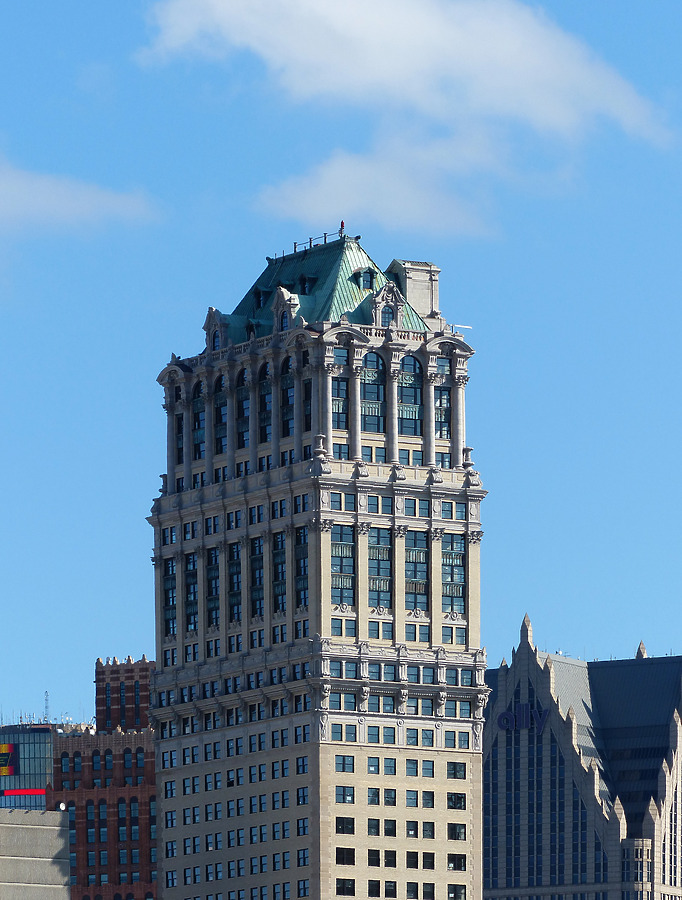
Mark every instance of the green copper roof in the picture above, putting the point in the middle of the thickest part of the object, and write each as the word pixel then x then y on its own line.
pixel 326 280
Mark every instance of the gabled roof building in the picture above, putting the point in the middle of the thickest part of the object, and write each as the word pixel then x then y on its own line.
pixel 582 777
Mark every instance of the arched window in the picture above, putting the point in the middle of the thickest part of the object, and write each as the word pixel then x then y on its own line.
pixel 121 808
pixel 102 811
pixel 197 390
pixel 127 758
pixel 66 764
pixel 139 758
pixel 215 343
pixel 264 405
pixel 90 811
pixel 108 759
pixel 242 410
pixel 386 316
pixel 410 410
pixel 373 393
pixel 134 808
pixel 284 321
pixel 96 761
pixel 219 384
pixel 77 766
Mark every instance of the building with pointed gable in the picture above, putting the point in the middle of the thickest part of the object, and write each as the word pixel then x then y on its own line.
pixel 582 777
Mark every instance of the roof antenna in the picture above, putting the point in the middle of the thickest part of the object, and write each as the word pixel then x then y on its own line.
pixel 341 229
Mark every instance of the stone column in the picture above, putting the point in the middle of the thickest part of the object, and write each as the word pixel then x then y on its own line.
pixel 187 442
pixel 392 377
pixel 355 414
pixel 298 415
pixel 459 430
pixel 398 534
pixel 209 430
pixel 275 418
pixel 171 442
pixel 231 426
pixel 473 589
pixel 436 584
pixel 430 380
pixel 315 388
pixel 253 422
pixel 362 577
pixel 329 371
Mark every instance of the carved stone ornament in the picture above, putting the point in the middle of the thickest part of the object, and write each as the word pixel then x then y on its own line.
pixel 399 472
pixel 474 537
pixel 361 470
pixel 400 530
pixel 436 474
pixel 461 380
pixel 379 611
pixel 453 617
pixel 364 527
pixel 435 377
pixel 323 727
pixel 473 478
pixel 478 731
pixel 437 534
pixel 332 369
pixel 416 614
pixel 327 524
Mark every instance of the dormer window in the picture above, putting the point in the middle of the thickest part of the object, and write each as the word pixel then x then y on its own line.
pixel 386 316
pixel 259 299
pixel 367 280
pixel 215 343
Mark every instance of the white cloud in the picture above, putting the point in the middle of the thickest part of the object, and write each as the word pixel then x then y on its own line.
pixel 491 66
pixel 34 199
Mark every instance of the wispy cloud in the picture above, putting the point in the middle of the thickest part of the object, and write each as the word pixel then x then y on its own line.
pixel 495 67
pixel 37 200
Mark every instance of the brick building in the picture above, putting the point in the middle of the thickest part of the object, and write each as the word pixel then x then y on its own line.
pixel 105 775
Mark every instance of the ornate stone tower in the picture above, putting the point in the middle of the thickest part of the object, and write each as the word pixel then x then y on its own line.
pixel 319 693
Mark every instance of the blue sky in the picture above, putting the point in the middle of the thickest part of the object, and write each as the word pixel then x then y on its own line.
pixel 153 153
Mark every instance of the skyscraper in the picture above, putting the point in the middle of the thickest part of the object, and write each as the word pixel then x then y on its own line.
pixel 319 695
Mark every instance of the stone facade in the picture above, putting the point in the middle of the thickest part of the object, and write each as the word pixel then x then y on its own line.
pixel 34 855
pixel 582 778
pixel 319 697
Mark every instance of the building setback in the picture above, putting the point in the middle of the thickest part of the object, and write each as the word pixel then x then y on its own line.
pixel 582 778
pixel 105 778
pixel 34 855
pixel 319 696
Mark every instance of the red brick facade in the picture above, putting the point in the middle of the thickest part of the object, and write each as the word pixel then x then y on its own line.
pixel 106 779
